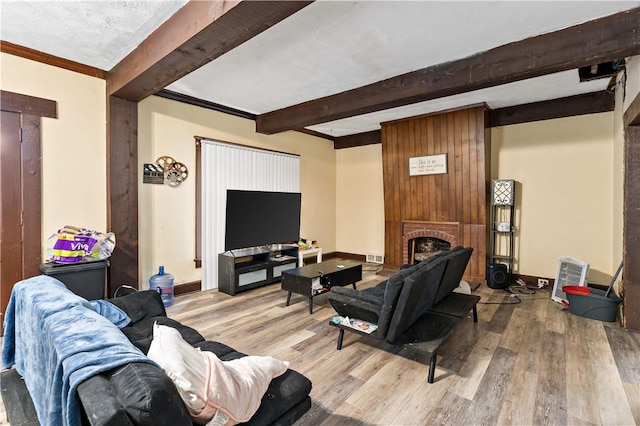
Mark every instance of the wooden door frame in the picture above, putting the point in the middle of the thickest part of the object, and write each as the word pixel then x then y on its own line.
pixel 31 110
pixel 10 189
pixel 631 219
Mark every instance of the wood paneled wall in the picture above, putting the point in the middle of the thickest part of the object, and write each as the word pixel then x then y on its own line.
pixel 460 195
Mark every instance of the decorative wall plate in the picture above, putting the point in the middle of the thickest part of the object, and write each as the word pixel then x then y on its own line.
pixel 166 162
pixel 177 174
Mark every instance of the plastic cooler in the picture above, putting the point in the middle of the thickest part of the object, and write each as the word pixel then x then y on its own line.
pixel 591 303
pixel 86 279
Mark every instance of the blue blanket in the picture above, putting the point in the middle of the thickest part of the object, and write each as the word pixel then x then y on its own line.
pixel 57 340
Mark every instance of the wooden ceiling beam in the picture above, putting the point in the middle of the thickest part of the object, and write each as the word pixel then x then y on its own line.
pixel 358 139
pixel 588 103
pixel 195 35
pixel 601 40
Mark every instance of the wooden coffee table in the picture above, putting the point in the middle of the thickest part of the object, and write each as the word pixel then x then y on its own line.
pixel 317 278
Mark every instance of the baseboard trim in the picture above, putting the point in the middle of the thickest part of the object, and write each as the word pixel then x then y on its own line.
pixel 343 255
pixel 187 288
pixel 530 280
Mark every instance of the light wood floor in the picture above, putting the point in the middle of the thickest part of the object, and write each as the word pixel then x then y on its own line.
pixel 522 364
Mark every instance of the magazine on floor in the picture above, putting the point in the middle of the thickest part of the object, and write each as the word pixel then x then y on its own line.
pixel 358 324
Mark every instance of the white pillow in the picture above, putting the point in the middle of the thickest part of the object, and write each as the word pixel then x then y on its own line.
pixel 208 386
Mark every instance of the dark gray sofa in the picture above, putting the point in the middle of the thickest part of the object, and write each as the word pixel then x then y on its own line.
pixel 398 302
pixel 416 307
pixel 142 394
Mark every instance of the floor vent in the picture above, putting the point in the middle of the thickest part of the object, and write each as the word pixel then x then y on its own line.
pixel 375 258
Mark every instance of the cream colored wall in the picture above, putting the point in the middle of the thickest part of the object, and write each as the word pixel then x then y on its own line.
pixel 342 190
pixel 73 145
pixel 360 200
pixel 167 215
pixel 565 200
pixel 568 172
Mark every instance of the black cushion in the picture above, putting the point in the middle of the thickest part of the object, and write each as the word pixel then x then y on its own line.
pixel 417 295
pixel 141 305
pixel 373 295
pixel 457 261
pixel 134 394
pixel 362 304
pixel 141 333
pixel 288 418
pixel 146 308
pixel 352 305
pixel 283 392
pixel 148 395
pixel 98 393
pixel 391 294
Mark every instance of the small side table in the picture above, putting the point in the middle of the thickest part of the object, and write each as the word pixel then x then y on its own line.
pixel 302 253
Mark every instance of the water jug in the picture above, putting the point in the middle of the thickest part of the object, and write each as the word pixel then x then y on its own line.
pixel 163 284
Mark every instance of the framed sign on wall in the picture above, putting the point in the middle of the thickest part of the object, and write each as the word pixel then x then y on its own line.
pixel 428 165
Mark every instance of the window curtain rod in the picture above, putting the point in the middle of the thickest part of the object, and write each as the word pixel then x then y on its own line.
pixel 241 146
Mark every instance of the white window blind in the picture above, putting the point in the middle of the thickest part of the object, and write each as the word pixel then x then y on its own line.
pixel 226 166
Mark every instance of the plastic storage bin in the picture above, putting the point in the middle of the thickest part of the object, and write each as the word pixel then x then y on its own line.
pixel 86 279
pixel 593 305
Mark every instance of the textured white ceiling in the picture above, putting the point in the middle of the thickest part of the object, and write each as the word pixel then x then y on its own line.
pixel 326 48
pixel 329 47
pixel 543 88
pixel 97 33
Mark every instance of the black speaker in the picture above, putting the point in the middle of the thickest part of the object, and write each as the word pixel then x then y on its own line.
pixel 497 276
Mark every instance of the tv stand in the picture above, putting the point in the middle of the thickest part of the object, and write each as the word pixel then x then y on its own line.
pixel 244 269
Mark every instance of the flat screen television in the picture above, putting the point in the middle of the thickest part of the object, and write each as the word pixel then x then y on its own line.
pixel 258 218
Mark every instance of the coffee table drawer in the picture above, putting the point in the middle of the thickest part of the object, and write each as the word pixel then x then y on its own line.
pixel 342 277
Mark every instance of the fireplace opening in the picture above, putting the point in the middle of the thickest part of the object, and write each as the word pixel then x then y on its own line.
pixel 422 248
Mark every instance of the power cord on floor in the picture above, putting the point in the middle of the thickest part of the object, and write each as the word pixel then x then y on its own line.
pixel 512 299
pixel 515 291
pixel 523 288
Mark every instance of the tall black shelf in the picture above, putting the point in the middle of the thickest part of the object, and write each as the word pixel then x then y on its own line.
pixel 502 224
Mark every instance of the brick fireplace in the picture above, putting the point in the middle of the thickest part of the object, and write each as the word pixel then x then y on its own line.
pixel 413 229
